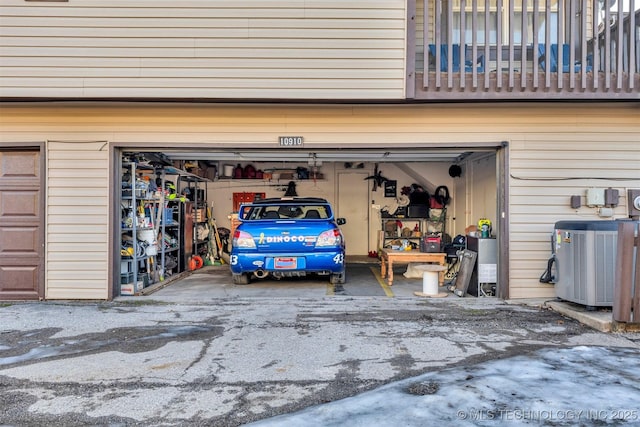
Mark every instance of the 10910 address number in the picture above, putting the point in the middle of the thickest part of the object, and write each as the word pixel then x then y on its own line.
pixel 291 141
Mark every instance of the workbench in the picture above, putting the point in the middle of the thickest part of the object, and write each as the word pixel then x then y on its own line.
pixel 389 256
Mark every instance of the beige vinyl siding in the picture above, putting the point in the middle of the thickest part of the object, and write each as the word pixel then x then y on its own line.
pixel 203 49
pixel 547 169
pixel 549 147
pixel 419 30
pixel 77 248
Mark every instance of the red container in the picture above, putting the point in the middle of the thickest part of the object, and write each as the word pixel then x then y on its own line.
pixel 430 244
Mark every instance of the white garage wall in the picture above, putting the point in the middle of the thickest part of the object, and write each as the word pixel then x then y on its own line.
pixel 220 193
pixel 482 190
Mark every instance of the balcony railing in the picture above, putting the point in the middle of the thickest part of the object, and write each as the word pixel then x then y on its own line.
pixel 523 49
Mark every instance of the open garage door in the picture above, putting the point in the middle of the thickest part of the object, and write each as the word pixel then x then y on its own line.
pixel 344 176
pixel 339 175
pixel 324 155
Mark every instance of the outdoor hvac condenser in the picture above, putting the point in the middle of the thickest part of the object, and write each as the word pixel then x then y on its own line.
pixel 585 254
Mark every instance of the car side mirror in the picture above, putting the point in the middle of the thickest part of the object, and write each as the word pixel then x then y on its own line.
pixel 341 221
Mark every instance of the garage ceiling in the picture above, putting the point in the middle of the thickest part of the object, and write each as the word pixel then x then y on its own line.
pixel 326 155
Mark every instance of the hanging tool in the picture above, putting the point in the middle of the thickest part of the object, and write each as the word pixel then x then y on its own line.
pixel 213 252
pixel 155 271
pixel 214 227
pixel 216 236
pixel 378 179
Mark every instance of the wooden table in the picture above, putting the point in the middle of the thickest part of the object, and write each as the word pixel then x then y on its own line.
pixel 389 256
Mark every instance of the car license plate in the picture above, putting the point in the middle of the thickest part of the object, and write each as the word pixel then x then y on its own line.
pixel 285 263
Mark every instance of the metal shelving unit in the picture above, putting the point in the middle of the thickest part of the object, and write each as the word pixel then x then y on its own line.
pixel 152 225
pixel 426 227
pixel 397 232
pixel 139 216
pixel 197 210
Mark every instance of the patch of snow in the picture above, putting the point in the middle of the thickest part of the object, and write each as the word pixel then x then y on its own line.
pixel 560 386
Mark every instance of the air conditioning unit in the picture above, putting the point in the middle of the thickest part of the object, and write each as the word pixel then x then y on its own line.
pixel 585 253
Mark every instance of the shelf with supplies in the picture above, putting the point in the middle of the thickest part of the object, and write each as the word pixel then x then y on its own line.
pixel 270 173
pixel 396 229
pixel 153 218
pixel 197 218
pixel 424 233
pixel 142 223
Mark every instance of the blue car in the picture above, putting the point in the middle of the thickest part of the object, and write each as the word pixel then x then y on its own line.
pixel 287 237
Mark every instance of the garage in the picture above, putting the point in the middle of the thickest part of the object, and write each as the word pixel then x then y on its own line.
pixel 190 196
pixel 523 185
pixel 88 86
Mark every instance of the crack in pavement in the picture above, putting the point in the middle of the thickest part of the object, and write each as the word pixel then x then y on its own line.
pixel 31 347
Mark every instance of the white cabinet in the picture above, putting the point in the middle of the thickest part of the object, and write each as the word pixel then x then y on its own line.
pixel 484 278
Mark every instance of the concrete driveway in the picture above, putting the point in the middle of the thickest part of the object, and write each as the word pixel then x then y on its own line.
pixel 204 352
pixel 363 279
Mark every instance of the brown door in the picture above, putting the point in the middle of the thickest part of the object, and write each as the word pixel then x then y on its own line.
pixel 21 225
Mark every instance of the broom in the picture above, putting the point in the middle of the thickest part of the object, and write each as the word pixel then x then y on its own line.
pixel 157 275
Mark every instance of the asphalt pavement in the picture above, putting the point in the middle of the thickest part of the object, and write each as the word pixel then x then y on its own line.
pixel 202 351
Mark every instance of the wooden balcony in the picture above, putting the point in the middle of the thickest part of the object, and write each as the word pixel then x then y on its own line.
pixel 585 59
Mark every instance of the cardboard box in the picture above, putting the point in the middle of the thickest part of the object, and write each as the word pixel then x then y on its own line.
pixel 130 289
pixel 234 222
pixel 200 214
pixel 211 173
pixel 286 175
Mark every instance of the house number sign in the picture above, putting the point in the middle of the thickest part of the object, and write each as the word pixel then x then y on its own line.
pixel 291 141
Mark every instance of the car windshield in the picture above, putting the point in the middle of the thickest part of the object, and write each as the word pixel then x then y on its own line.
pixel 285 211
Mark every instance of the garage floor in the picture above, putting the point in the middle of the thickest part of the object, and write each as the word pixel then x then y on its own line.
pixel 363 279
